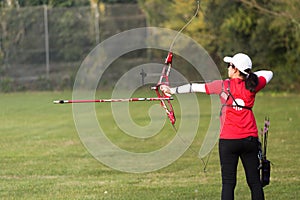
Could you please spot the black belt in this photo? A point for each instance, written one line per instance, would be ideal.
(251, 139)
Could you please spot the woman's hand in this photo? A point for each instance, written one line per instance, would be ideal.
(166, 90)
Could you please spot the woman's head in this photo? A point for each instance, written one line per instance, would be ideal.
(239, 66)
(240, 61)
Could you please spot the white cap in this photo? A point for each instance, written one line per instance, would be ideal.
(241, 61)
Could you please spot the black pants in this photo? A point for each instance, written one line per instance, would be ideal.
(230, 151)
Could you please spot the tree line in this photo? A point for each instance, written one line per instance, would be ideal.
(268, 31)
(57, 3)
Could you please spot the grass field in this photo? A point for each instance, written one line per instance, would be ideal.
(42, 157)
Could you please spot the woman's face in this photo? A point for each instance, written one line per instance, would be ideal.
(231, 70)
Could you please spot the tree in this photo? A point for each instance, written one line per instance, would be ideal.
(269, 31)
(155, 10)
(119, 1)
(54, 3)
(282, 20)
(266, 30)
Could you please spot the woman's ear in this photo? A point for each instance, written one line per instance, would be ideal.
(236, 70)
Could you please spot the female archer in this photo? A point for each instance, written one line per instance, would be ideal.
(238, 133)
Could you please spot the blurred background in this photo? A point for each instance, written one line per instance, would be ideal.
(43, 42)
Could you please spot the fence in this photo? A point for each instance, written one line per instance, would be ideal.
(42, 47)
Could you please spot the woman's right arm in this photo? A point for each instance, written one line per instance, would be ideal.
(264, 78)
(268, 75)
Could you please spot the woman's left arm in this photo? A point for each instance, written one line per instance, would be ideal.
(214, 87)
(189, 88)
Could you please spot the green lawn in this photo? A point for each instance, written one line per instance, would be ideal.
(42, 157)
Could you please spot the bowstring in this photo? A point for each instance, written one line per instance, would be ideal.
(188, 23)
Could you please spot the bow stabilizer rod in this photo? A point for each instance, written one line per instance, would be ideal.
(113, 100)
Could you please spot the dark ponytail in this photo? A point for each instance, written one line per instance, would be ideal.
(251, 80)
